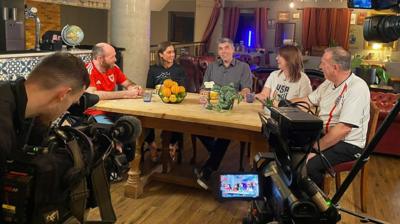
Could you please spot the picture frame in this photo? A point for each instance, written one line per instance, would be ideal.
(296, 15)
(353, 18)
(271, 24)
(283, 16)
(361, 18)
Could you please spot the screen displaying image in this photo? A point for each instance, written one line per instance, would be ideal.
(239, 186)
(364, 4)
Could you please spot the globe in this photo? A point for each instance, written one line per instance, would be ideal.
(72, 35)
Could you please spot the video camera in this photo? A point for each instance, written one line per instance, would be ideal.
(278, 188)
(379, 28)
(58, 179)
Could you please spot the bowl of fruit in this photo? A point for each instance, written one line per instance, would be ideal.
(171, 92)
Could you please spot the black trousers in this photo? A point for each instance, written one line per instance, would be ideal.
(217, 148)
(339, 153)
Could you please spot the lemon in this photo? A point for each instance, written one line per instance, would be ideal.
(213, 94)
(165, 99)
(172, 98)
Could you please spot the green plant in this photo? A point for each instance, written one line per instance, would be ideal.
(227, 95)
(269, 102)
(382, 74)
(356, 62)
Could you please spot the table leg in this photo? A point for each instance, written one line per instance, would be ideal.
(258, 144)
(134, 185)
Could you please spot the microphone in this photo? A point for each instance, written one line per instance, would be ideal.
(87, 100)
(126, 129)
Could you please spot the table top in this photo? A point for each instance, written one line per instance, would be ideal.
(242, 116)
(382, 87)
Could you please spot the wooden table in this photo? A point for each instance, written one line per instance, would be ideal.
(242, 124)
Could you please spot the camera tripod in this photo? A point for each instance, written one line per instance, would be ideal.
(361, 162)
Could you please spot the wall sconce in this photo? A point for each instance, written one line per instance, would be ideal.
(291, 5)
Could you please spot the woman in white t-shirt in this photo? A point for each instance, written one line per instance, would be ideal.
(289, 81)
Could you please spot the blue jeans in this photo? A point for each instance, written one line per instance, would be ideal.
(103, 119)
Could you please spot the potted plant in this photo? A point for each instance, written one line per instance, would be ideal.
(226, 97)
(382, 75)
(364, 71)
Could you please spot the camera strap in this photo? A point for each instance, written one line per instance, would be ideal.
(101, 189)
(80, 193)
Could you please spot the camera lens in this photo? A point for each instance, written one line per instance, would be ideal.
(382, 28)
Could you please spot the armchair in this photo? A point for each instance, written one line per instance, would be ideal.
(390, 142)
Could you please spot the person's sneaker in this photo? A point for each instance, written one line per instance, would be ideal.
(202, 176)
(115, 177)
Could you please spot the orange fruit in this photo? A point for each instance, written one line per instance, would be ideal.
(166, 92)
(182, 89)
(175, 89)
(174, 83)
(168, 83)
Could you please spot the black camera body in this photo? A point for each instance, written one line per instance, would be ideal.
(38, 181)
(380, 28)
(51, 182)
(287, 194)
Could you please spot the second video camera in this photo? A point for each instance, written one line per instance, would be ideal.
(379, 28)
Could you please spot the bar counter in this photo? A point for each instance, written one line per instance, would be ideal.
(20, 63)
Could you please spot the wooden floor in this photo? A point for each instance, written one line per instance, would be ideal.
(168, 203)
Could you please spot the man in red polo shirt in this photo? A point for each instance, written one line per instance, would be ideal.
(105, 75)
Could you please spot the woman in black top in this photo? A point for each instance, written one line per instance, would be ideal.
(165, 68)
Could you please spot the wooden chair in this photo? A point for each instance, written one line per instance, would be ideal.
(347, 166)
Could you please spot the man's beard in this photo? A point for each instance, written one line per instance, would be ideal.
(107, 66)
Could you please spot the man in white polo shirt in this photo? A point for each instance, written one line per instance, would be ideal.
(343, 100)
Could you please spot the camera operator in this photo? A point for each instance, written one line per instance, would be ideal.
(343, 100)
(55, 83)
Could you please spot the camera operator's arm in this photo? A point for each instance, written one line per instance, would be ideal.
(6, 138)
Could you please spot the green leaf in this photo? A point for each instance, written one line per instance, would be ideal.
(356, 62)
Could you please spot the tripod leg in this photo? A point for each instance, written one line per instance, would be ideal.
(338, 181)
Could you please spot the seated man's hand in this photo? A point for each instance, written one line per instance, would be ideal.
(132, 93)
(136, 88)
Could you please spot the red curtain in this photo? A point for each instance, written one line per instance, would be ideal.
(261, 16)
(211, 24)
(322, 26)
(231, 22)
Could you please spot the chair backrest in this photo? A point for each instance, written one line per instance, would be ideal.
(373, 121)
(204, 61)
(190, 66)
(316, 77)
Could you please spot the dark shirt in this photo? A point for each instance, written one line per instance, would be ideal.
(13, 100)
(157, 74)
(237, 72)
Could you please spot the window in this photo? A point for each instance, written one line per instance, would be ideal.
(246, 28)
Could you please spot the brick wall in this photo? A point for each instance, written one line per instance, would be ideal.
(49, 15)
